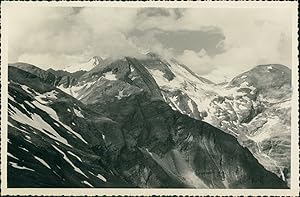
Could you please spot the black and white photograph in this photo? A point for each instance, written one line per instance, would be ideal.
(141, 97)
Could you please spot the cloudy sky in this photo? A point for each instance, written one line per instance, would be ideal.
(217, 43)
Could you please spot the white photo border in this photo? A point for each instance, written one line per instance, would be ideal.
(293, 191)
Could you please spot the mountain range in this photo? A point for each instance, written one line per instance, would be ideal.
(148, 122)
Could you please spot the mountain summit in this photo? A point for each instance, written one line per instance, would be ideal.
(93, 62)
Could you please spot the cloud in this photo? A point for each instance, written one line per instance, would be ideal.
(179, 41)
(28, 28)
(160, 18)
(251, 37)
(47, 60)
(215, 42)
(200, 62)
(154, 12)
(62, 35)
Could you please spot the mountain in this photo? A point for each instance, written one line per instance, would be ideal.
(50, 76)
(175, 81)
(93, 62)
(258, 112)
(272, 81)
(254, 107)
(116, 129)
(51, 136)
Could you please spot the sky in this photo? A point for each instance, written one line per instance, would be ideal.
(217, 43)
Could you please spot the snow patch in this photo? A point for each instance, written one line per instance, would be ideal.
(245, 84)
(191, 106)
(110, 76)
(26, 89)
(74, 132)
(190, 138)
(53, 114)
(149, 152)
(15, 165)
(175, 106)
(87, 183)
(29, 104)
(198, 91)
(65, 90)
(46, 96)
(10, 155)
(233, 132)
(133, 78)
(17, 128)
(284, 104)
(51, 95)
(69, 161)
(46, 109)
(78, 113)
(132, 69)
(24, 149)
(11, 98)
(38, 123)
(121, 95)
(42, 161)
(242, 107)
(74, 91)
(74, 155)
(265, 132)
(101, 177)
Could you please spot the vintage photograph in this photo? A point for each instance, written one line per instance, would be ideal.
(144, 97)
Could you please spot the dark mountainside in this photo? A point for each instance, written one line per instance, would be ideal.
(50, 142)
(116, 131)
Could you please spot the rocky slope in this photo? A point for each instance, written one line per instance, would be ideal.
(257, 109)
(116, 130)
(51, 136)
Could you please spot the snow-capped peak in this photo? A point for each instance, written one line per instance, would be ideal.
(94, 61)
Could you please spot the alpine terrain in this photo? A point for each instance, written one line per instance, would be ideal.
(148, 122)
